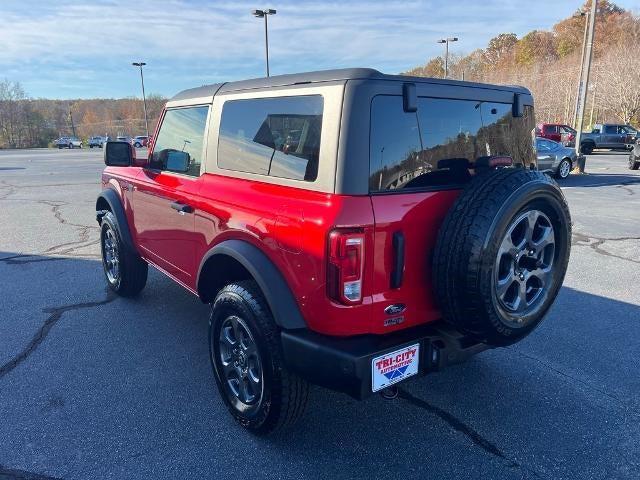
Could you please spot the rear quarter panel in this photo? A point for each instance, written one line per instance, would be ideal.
(291, 226)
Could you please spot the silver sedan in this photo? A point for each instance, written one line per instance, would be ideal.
(554, 158)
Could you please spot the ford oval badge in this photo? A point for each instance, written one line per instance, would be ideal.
(395, 309)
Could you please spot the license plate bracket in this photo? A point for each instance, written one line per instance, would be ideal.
(394, 367)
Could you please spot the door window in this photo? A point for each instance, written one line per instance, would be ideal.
(610, 129)
(179, 145)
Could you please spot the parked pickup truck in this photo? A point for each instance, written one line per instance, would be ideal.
(608, 135)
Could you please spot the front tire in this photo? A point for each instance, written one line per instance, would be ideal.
(125, 271)
(564, 169)
(633, 163)
(501, 255)
(244, 347)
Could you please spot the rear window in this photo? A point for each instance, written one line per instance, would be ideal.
(279, 137)
(432, 148)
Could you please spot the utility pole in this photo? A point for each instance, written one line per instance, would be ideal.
(73, 127)
(586, 69)
(580, 83)
(265, 14)
(446, 52)
(144, 98)
(593, 99)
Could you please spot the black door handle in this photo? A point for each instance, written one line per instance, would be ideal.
(182, 207)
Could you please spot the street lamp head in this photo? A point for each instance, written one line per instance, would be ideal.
(442, 41)
(453, 39)
(138, 64)
(262, 13)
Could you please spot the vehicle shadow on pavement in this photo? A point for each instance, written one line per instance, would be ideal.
(136, 373)
(599, 180)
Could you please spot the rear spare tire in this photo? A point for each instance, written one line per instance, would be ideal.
(501, 255)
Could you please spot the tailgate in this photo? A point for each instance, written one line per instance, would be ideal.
(406, 225)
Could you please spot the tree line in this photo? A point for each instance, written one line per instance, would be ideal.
(548, 64)
(26, 122)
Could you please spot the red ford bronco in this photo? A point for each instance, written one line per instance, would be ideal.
(350, 229)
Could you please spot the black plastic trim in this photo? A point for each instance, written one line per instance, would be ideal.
(344, 364)
(398, 267)
(282, 303)
(115, 205)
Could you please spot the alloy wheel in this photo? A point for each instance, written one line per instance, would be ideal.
(524, 264)
(111, 256)
(240, 362)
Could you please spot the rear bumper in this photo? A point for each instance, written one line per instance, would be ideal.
(344, 364)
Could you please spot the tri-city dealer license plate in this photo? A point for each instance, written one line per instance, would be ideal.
(394, 367)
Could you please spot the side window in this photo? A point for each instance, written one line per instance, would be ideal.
(178, 147)
(610, 129)
(278, 136)
(435, 146)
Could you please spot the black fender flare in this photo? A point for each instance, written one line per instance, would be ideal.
(115, 206)
(277, 293)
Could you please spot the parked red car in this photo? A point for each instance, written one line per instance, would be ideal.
(557, 132)
(349, 229)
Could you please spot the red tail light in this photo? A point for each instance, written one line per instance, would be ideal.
(345, 266)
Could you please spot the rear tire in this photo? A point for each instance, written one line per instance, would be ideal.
(587, 148)
(501, 255)
(633, 163)
(125, 271)
(248, 364)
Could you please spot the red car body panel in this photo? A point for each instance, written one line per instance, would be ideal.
(291, 226)
(418, 216)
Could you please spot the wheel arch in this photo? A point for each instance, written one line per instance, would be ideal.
(240, 260)
(109, 201)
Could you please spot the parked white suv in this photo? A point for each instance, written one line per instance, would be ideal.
(68, 142)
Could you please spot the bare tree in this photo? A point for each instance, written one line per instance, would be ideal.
(619, 83)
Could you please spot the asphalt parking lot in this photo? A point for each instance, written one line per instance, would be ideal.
(94, 386)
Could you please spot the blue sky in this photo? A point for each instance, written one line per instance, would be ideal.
(83, 49)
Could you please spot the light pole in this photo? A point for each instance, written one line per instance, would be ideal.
(446, 52)
(144, 99)
(264, 14)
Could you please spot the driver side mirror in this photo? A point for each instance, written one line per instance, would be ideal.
(178, 161)
(171, 160)
(119, 154)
